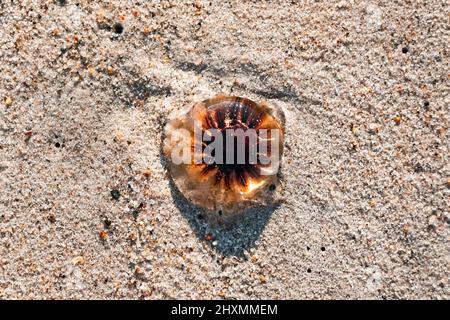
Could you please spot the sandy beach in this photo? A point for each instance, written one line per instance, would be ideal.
(87, 206)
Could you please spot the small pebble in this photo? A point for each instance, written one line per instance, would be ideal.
(102, 235)
(147, 30)
(147, 173)
(355, 130)
(78, 260)
(107, 223)
(100, 16)
(263, 278)
(118, 27)
(115, 194)
(373, 128)
(433, 222)
(91, 72)
(8, 101)
(52, 218)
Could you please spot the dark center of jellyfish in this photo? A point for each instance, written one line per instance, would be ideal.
(233, 116)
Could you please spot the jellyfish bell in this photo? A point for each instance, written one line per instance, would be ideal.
(224, 153)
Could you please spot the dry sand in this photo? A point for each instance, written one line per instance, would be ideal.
(365, 88)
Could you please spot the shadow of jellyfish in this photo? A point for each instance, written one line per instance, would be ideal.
(230, 236)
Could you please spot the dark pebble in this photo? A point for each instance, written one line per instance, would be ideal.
(107, 223)
(418, 168)
(115, 194)
(118, 28)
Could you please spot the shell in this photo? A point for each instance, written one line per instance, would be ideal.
(225, 187)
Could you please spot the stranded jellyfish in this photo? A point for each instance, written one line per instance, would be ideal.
(224, 153)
